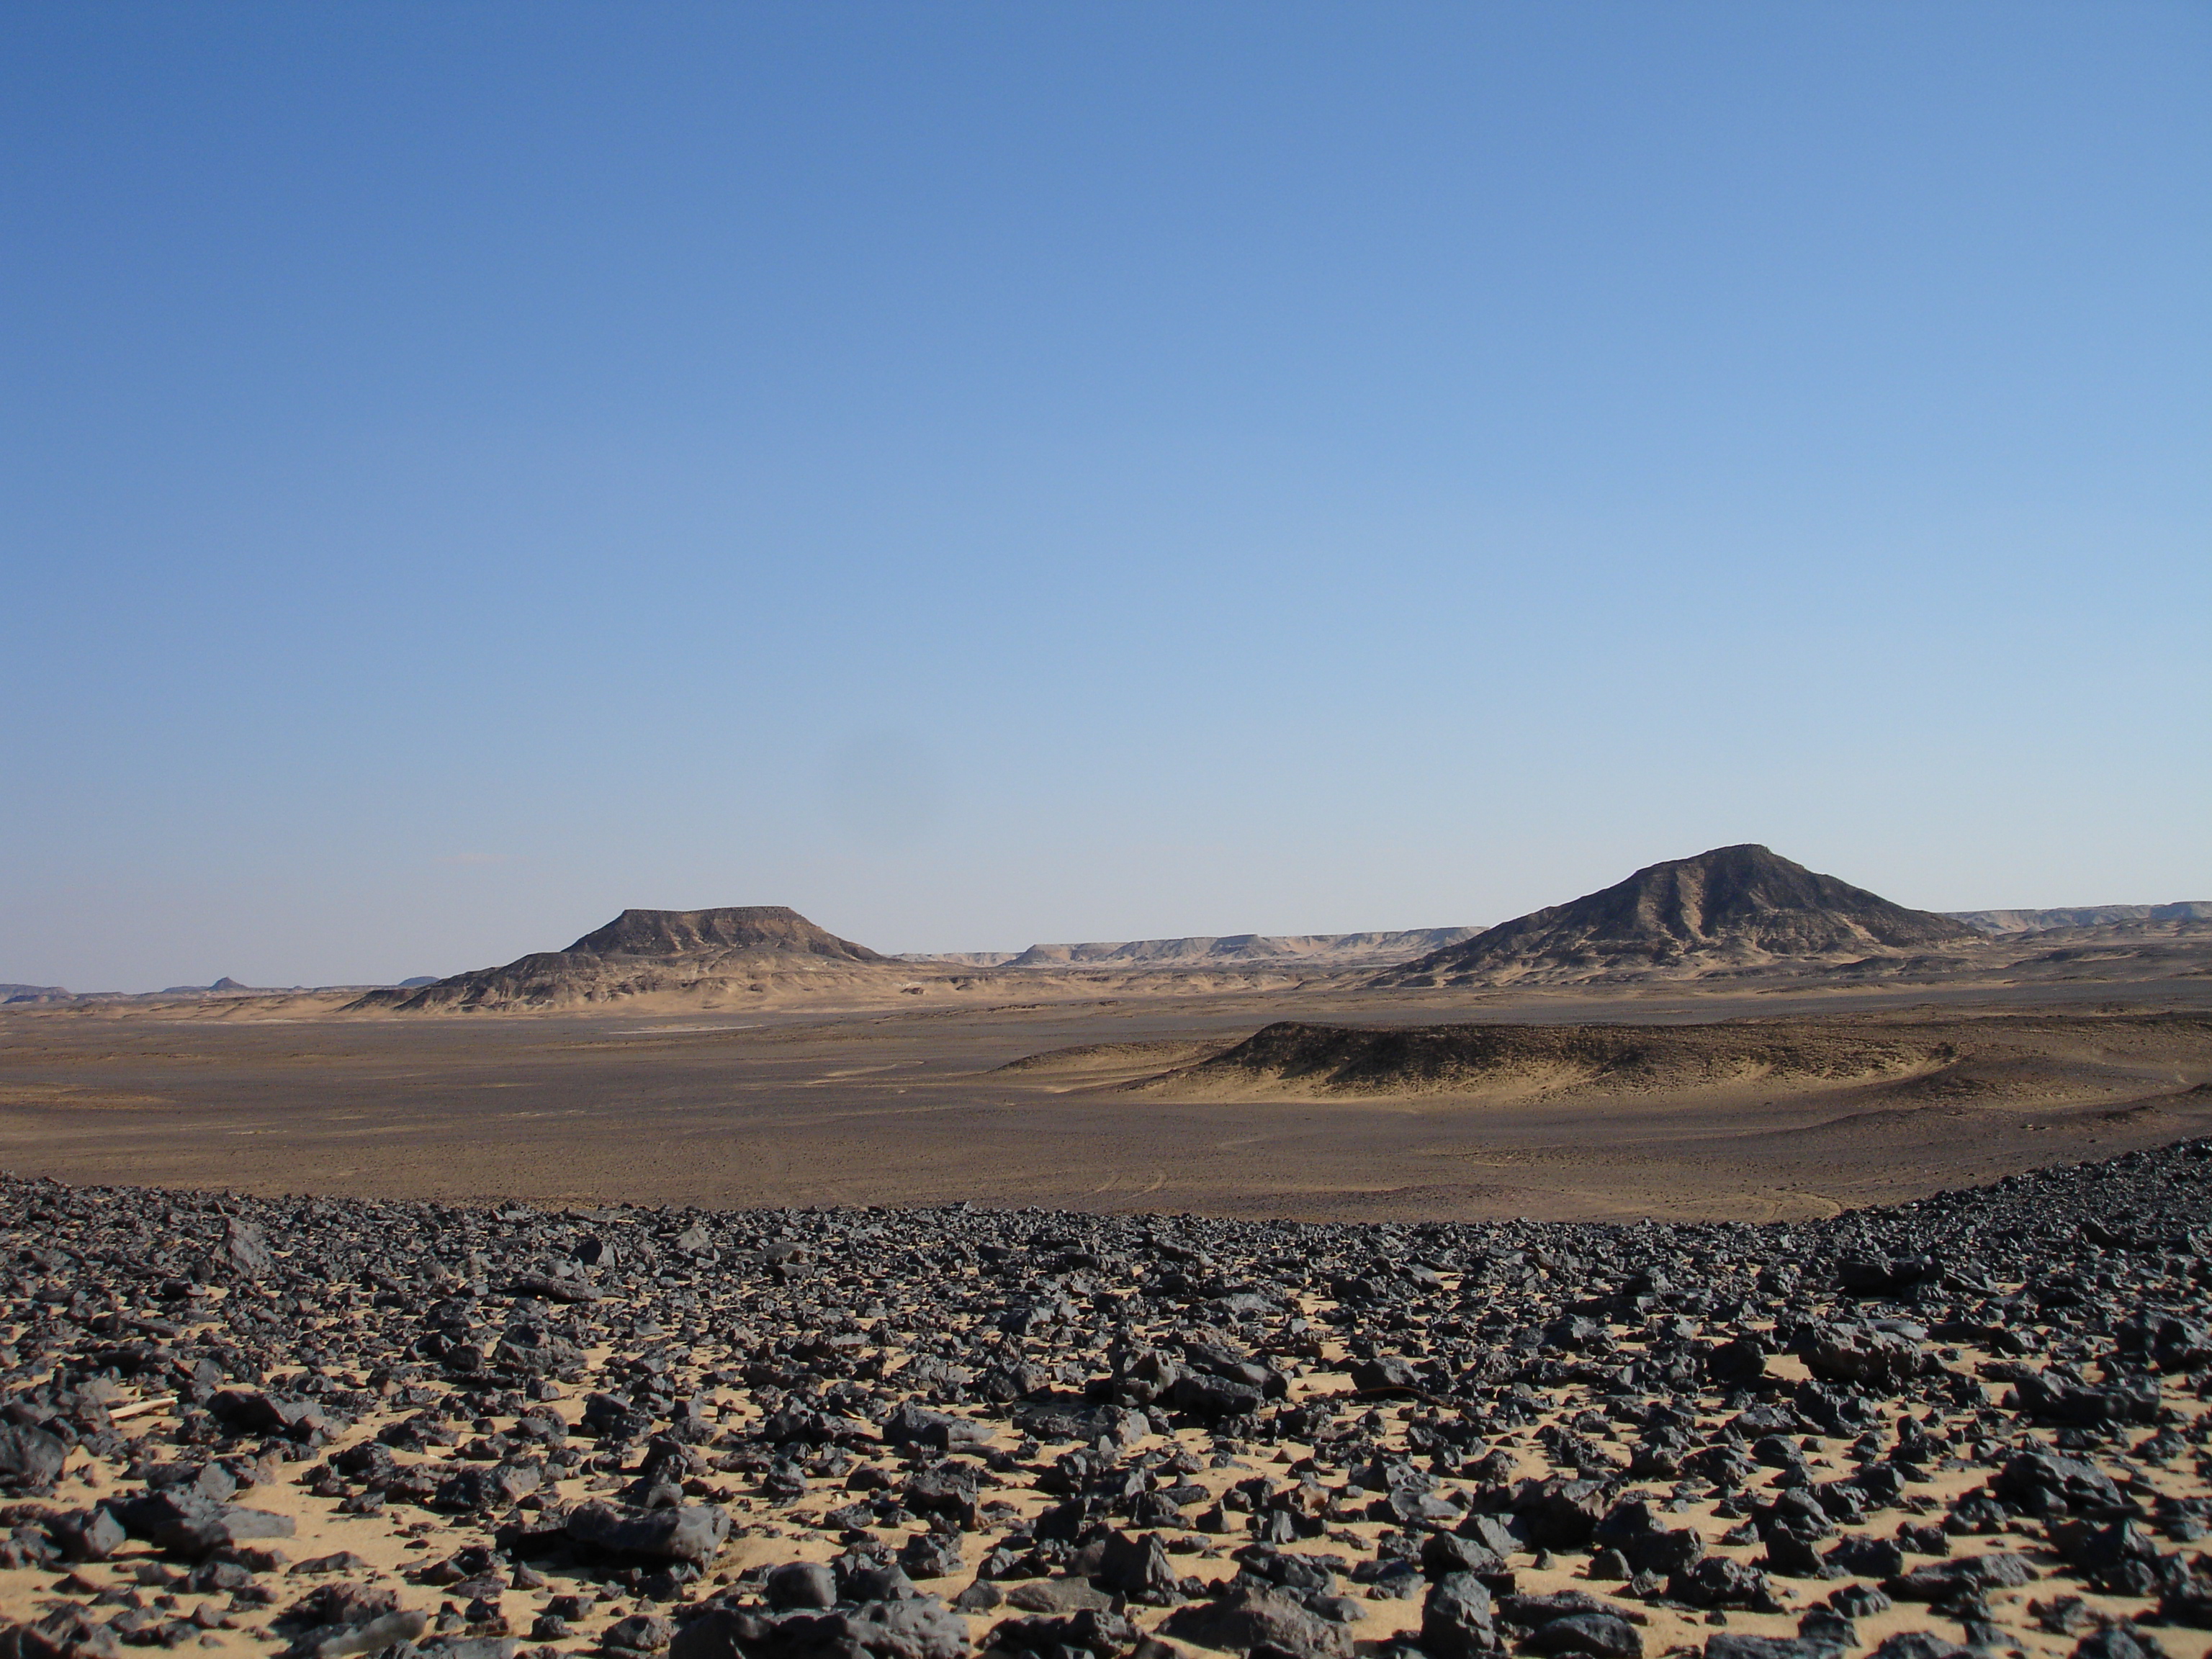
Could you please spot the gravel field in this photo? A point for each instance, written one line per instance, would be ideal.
(330, 1427)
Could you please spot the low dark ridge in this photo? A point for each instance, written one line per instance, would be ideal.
(1352, 1059)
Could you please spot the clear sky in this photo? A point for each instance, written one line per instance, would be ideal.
(989, 473)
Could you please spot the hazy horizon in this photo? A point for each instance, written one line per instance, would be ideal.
(521, 950)
(986, 475)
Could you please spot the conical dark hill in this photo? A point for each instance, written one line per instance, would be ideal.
(1733, 909)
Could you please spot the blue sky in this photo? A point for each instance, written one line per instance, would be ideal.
(984, 474)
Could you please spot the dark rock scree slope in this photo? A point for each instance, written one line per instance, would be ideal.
(1977, 1421)
(1733, 908)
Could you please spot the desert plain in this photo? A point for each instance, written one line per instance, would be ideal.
(1074, 1091)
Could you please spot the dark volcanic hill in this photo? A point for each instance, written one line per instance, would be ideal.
(1731, 910)
(742, 949)
(774, 928)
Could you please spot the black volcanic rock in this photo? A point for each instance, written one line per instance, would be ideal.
(181, 1351)
(1732, 908)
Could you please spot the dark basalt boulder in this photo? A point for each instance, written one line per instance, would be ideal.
(1136, 1566)
(1920, 1644)
(2119, 1642)
(2000, 1571)
(66, 1632)
(182, 1522)
(1100, 1635)
(801, 1584)
(250, 1411)
(1533, 1612)
(691, 1534)
(536, 1351)
(1385, 1372)
(1737, 1362)
(920, 1627)
(1562, 1515)
(1742, 1644)
(1601, 1635)
(1215, 1398)
(2037, 1481)
(2049, 1400)
(1246, 1616)
(375, 1635)
(1444, 1553)
(31, 1459)
(1458, 1619)
(915, 1425)
(92, 1535)
(1868, 1558)
(1721, 1582)
(641, 1633)
(1058, 1595)
(1883, 1276)
(488, 1486)
(338, 1620)
(1883, 1361)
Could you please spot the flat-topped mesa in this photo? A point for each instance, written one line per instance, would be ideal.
(1733, 908)
(773, 928)
(702, 956)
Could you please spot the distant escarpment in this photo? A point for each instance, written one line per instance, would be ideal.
(2080, 915)
(740, 950)
(34, 994)
(1325, 951)
(1733, 910)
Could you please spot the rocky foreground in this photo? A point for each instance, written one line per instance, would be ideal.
(1975, 1423)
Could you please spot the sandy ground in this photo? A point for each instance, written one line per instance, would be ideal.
(913, 1102)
